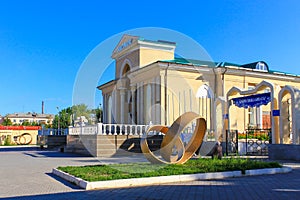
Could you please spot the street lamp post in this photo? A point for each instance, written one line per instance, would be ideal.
(100, 113)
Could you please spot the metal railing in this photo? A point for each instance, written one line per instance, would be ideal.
(52, 131)
(231, 142)
(252, 141)
(257, 141)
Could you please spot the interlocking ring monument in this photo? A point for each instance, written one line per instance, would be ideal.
(172, 140)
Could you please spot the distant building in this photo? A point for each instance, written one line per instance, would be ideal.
(19, 118)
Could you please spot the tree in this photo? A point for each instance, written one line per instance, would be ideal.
(67, 116)
(81, 110)
(26, 123)
(63, 118)
(6, 122)
(99, 114)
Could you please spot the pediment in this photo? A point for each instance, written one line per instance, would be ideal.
(125, 42)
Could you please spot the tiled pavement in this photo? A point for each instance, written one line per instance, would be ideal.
(25, 173)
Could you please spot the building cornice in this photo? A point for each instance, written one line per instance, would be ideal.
(107, 84)
(261, 74)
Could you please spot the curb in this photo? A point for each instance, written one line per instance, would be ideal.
(254, 172)
(135, 182)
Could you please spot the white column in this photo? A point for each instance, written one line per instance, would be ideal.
(138, 99)
(153, 102)
(104, 107)
(122, 113)
(115, 112)
(158, 100)
(133, 103)
(99, 129)
(142, 103)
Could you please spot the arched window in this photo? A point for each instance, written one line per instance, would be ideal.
(204, 91)
(126, 69)
(261, 66)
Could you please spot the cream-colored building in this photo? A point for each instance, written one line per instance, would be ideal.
(19, 118)
(151, 85)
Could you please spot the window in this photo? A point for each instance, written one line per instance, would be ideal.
(261, 66)
(254, 113)
(204, 92)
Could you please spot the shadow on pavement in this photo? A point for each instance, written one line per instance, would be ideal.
(18, 148)
(53, 154)
(63, 181)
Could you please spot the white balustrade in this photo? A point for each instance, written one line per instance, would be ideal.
(109, 129)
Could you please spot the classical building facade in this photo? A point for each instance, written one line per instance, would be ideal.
(153, 86)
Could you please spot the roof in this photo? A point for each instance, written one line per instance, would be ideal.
(29, 115)
(191, 62)
(129, 41)
(111, 82)
(194, 62)
(157, 41)
(201, 62)
(252, 66)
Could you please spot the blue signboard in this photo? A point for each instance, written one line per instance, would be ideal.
(276, 113)
(252, 100)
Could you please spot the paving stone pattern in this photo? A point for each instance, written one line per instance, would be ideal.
(25, 173)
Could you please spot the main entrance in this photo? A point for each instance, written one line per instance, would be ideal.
(250, 113)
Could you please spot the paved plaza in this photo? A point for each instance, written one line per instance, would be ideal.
(26, 174)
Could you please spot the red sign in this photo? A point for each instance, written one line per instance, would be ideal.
(20, 127)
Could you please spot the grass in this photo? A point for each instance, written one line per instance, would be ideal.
(138, 170)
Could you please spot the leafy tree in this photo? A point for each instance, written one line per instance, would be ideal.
(99, 114)
(66, 116)
(7, 122)
(34, 123)
(62, 119)
(26, 123)
(81, 110)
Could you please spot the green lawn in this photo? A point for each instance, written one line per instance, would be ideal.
(138, 170)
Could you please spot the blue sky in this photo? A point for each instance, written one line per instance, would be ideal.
(43, 43)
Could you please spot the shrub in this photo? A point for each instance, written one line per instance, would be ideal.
(7, 141)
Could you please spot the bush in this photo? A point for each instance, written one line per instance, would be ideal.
(7, 141)
(259, 136)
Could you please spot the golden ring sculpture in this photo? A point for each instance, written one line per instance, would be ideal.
(21, 140)
(172, 140)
